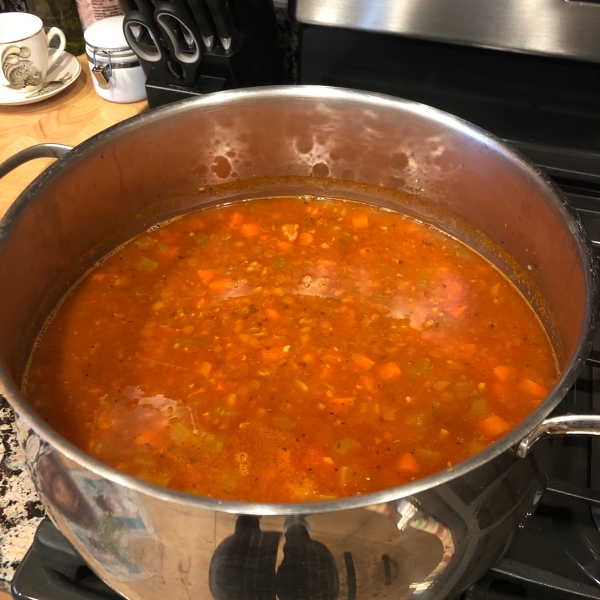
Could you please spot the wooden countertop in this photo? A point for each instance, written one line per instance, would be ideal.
(70, 117)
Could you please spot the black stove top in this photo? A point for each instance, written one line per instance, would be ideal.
(556, 554)
(549, 110)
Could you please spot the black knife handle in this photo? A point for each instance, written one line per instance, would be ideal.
(145, 6)
(222, 17)
(202, 17)
(127, 6)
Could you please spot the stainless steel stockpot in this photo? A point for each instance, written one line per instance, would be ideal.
(427, 539)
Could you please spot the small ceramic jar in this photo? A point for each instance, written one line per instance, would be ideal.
(116, 71)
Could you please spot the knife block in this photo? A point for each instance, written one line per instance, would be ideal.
(254, 59)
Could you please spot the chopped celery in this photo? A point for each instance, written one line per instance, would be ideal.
(279, 262)
(475, 447)
(143, 242)
(283, 422)
(440, 386)
(464, 388)
(345, 474)
(301, 385)
(347, 444)
(419, 368)
(201, 238)
(221, 411)
(212, 442)
(144, 461)
(426, 455)
(145, 264)
(180, 434)
(388, 413)
(478, 407)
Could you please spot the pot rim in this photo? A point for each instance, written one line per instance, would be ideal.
(507, 443)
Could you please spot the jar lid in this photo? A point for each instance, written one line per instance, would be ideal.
(107, 34)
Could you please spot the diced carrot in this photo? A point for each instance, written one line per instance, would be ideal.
(408, 464)
(389, 370)
(362, 362)
(220, 284)
(505, 373)
(493, 426)
(169, 239)
(458, 310)
(223, 386)
(284, 246)
(453, 286)
(273, 354)
(205, 368)
(284, 456)
(306, 239)
(271, 314)
(533, 388)
(104, 422)
(326, 373)
(150, 436)
(250, 229)
(196, 223)
(368, 383)
(236, 221)
(172, 251)
(312, 457)
(200, 302)
(206, 274)
(360, 221)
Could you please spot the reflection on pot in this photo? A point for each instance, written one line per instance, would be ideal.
(265, 565)
(108, 520)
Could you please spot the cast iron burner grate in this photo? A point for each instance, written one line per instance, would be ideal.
(554, 556)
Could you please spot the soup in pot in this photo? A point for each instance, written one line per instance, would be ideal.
(290, 349)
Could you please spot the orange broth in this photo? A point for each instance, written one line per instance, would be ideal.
(290, 349)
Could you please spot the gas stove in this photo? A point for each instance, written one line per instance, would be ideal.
(547, 108)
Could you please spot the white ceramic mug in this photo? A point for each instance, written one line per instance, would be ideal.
(24, 57)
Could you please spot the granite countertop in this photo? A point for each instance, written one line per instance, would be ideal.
(68, 118)
(21, 511)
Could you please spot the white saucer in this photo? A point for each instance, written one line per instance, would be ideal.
(60, 76)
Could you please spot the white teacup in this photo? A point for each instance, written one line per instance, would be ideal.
(24, 57)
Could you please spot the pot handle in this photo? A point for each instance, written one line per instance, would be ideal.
(564, 425)
(38, 151)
